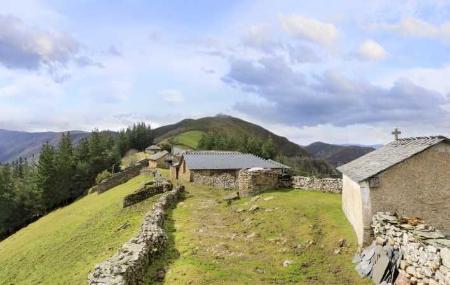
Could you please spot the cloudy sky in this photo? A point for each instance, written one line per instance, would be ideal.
(336, 71)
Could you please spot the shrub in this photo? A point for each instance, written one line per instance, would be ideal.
(102, 176)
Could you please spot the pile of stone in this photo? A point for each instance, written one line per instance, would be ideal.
(128, 266)
(424, 251)
(146, 191)
(332, 185)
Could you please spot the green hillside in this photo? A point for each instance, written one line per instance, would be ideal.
(337, 154)
(229, 126)
(189, 139)
(62, 247)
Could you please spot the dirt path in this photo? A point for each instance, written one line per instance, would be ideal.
(283, 237)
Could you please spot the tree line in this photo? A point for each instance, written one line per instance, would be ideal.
(62, 173)
(244, 144)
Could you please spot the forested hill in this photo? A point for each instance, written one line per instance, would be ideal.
(337, 154)
(15, 144)
(230, 127)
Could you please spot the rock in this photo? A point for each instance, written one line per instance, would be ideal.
(402, 280)
(337, 251)
(445, 256)
(253, 208)
(252, 235)
(160, 275)
(256, 198)
(240, 210)
(287, 262)
(381, 241)
(232, 197)
(268, 198)
(342, 242)
(411, 270)
(259, 270)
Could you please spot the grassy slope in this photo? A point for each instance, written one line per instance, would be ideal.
(189, 139)
(211, 243)
(62, 247)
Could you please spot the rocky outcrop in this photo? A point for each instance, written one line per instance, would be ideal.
(128, 266)
(146, 191)
(120, 177)
(333, 185)
(424, 251)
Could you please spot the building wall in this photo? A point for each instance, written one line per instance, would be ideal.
(419, 186)
(352, 206)
(216, 178)
(254, 182)
(184, 173)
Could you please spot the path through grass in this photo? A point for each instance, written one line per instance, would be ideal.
(62, 247)
(213, 243)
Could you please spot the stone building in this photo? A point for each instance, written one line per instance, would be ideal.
(409, 176)
(152, 149)
(159, 160)
(218, 168)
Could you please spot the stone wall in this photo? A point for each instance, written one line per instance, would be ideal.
(425, 251)
(252, 182)
(218, 179)
(128, 266)
(333, 185)
(120, 177)
(146, 191)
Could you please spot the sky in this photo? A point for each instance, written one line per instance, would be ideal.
(333, 71)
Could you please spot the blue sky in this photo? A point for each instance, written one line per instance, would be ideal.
(336, 71)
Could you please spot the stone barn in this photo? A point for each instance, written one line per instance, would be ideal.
(410, 177)
(159, 160)
(152, 149)
(219, 168)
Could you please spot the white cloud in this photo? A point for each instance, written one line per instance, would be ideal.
(31, 48)
(418, 28)
(310, 29)
(371, 50)
(172, 96)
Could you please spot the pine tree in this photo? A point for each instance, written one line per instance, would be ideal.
(65, 168)
(268, 149)
(46, 176)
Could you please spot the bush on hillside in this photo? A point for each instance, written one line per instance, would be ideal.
(105, 174)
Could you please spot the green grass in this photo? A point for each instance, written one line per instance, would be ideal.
(189, 139)
(212, 243)
(62, 247)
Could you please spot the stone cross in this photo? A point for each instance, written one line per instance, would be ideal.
(396, 132)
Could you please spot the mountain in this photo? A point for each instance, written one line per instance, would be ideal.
(15, 144)
(337, 154)
(229, 126)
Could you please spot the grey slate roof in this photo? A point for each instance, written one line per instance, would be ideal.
(158, 155)
(197, 160)
(389, 155)
(153, 147)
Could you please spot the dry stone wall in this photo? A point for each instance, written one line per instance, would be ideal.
(425, 251)
(219, 179)
(146, 191)
(252, 182)
(120, 177)
(128, 266)
(333, 185)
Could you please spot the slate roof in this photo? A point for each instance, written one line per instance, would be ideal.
(158, 155)
(153, 147)
(389, 155)
(197, 160)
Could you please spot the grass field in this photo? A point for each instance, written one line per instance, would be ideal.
(213, 243)
(62, 247)
(189, 139)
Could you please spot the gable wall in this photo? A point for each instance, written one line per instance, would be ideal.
(419, 186)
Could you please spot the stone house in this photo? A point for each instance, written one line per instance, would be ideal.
(218, 168)
(409, 176)
(152, 149)
(159, 160)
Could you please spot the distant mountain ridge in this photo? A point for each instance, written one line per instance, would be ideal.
(337, 154)
(15, 144)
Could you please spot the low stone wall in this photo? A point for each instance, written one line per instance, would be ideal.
(146, 191)
(128, 266)
(333, 185)
(425, 251)
(120, 177)
(252, 182)
(218, 179)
